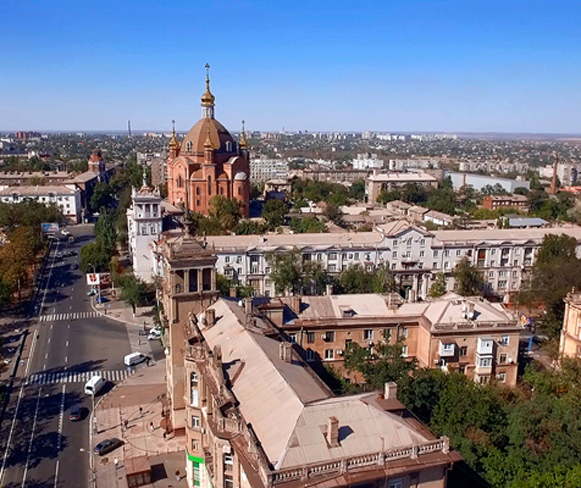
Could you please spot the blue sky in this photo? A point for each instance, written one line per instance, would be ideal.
(409, 65)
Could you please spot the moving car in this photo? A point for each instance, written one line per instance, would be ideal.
(76, 413)
(154, 334)
(134, 358)
(108, 445)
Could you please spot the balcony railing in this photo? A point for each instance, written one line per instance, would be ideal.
(356, 463)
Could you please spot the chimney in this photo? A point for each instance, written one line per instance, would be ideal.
(285, 350)
(329, 289)
(411, 296)
(390, 390)
(248, 306)
(232, 292)
(296, 304)
(333, 432)
(210, 317)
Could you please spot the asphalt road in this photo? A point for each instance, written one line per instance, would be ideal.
(45, 449)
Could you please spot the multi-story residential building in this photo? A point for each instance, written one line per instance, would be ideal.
(367, 161)
(494, 202)
(405, 164)
(257, 416)
(469, 335)
(66, 197)
(568, 173)
(505, 256)
(263, 169)
(494, 167)
(570, 343)
(378, 182)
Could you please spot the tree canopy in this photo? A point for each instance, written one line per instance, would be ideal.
(469, 281)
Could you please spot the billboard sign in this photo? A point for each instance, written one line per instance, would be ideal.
(49, 227)
(93, 279)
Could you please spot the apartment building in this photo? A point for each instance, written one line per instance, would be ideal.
(65, 197)
(259, 417)
(367, 161)
(378, 182)
(469, 335)
(263, 169)
(415, 255)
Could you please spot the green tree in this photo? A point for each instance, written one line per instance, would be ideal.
(94, 258)
(133, 291)
(469, 281)
(380, 363)
(357, 190)
(249, 227)
(439, 286)
(292, 272)
(225, 210)
(307, 225)
(555, 272)
(333, 213)
(274, 213)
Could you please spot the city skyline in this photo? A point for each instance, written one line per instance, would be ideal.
(424, 66)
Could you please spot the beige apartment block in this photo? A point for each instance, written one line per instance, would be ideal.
(570, 343)
(469, 335)
(259, 417)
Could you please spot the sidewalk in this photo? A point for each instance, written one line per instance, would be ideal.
(138, 401)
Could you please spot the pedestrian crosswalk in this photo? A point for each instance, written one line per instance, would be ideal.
(72, 377)
(67, 316)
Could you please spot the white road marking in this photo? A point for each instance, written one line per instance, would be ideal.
(46, 356)
(48, 341)
(62, 414)
(31, 438)
(66, 359)
(67, 344)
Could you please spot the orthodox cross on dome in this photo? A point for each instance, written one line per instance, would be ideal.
(207, 98)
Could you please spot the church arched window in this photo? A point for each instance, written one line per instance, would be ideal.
(228, 146)
(239, 190)
(180, 181)
(221, 191)
(189, 146)
(209, 185)
(197, 190)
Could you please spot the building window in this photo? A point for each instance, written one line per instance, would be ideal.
(435, 254)
(356, 255)
(329, 354)
(292, 338)
(227, 259)
(501, 377)
(492, 263)
(392, 265)
(484, 362)
(310, 337)
(463, 350)
(491, 274)
(209, 185)
(310, 355)
(422, 242)
(228, 463)
(502, 274)
(404, 351)
(332, 256)
(447, 253)
(188, 146)
(228, 481)
(447, 265)
(195, 422)
(329, 336)
(404, 333)
(332, 268)
(395, 243)
(493, 252)
(386, 334)
(515, 274)
(502, 358)
(396, 484)
(368, 335)
(394, 255)
(434, 265)
(502, 284)
(458, 252)
(422, 254)
(194, 396)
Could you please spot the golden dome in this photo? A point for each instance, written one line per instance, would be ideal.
(207, 97)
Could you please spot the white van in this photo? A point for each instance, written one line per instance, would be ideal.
(134, 358)
(94, 385)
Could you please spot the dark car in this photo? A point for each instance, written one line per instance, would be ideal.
(76, 413)
(108, 445)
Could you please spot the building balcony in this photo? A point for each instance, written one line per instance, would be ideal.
(447, 349)
(483, 364)
(485, 346)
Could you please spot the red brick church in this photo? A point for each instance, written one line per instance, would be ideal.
(208, 162)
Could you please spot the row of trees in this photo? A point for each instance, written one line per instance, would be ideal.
(23, 245)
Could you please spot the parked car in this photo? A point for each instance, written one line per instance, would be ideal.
(101, 300)
(108, 445)
(76, 413)
(134, 358)
(154, 334)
